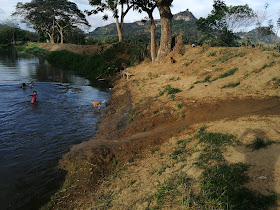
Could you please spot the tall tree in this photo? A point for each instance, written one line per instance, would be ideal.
(165, 19)
(261, 17)
(47, 16)
(68, 15)
(112, 6)
(149, 6)
(219, 27)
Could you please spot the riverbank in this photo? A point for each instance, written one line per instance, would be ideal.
(200, 132)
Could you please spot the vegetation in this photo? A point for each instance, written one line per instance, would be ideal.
(170, 91)
(51, 17)
(218, 28)
(112, 6)
(11, 34)
(98, 64)
(231, 85)
(228, 73)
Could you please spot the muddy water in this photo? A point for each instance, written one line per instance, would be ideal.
(33, 137)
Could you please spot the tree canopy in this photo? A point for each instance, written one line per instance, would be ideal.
(219, 27)
(51, 16)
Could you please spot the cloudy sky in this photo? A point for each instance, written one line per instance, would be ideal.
(200, 8)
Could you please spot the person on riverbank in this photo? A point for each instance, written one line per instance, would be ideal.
(34, 97)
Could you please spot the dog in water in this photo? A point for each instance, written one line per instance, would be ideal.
(97, 104)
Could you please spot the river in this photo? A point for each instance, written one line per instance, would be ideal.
(34, 137)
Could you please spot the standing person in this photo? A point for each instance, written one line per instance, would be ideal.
(34, 97)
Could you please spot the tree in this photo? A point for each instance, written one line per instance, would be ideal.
(261, 17)
(68, 15)
(165, 20)
(148, 6)
(219, 27)
(38, 14)
(47, 16)
(239, 17)
(112, 6)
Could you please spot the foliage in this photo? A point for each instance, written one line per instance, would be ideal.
(112, 6)
(51, 17)
(10, 34)
(92, 66)
(218, 28)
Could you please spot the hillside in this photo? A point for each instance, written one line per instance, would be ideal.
(182, 21)
(202, 132)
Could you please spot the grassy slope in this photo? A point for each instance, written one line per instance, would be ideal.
(174, 161)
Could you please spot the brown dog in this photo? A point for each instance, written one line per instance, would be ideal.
(97, 104)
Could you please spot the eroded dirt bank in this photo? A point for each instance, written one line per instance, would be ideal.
(131, 156)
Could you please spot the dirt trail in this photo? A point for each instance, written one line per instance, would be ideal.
(217, 111)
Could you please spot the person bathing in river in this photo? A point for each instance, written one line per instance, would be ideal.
(31, 85)
(23, 85)
(34, 97)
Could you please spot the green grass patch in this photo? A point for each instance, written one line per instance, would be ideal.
(214, 53)
(206, 79)
(222, 185)
(228, 56)
(268, 65)
(228, 73)
(217, 139)
(170, 91)
(231, 85)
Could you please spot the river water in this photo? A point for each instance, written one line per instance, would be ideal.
(33, 137)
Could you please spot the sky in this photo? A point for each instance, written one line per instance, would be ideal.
(199, 8)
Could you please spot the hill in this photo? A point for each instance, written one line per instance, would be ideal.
(200, 133)
(183, 21)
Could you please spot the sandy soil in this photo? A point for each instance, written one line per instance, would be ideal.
(119, 169)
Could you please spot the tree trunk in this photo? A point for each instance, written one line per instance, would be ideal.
(165, 19)
(153, 39)
(51, 37)
(119, 29)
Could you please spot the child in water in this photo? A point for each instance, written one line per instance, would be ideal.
(34, 97)
(23, 85)
(31, 85)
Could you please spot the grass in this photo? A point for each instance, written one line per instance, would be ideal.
(228, 73)
(260, 143)
(222, 183)
(276, 82)
(206, 79)
(222, 186)
(268, 65)
(231, 85)
(214, 53)
(228, 56)
(170, 91)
